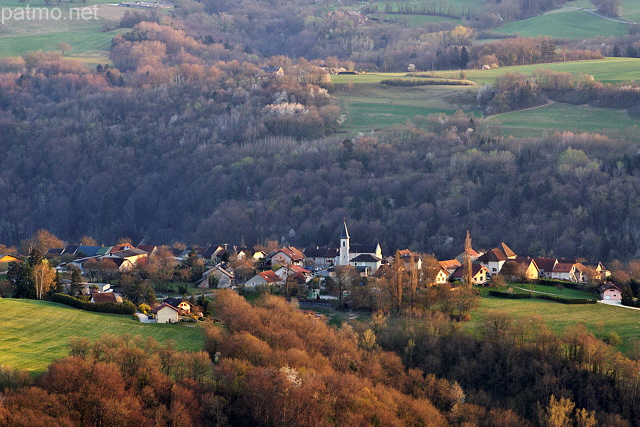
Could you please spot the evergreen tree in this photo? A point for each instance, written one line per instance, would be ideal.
(464, 57)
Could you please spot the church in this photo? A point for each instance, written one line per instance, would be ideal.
(365, 258)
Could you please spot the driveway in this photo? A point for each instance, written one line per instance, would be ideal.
(144, 319)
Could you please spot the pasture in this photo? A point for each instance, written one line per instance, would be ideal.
(598, 318)
(565, 23)
(35, 333)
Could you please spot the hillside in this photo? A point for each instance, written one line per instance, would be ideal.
(36, 333)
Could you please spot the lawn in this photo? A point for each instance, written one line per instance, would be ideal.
(35, 333)
(565, 23)
(599, 318)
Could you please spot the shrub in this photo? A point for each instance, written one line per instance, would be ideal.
(126, 307)
(555, 298)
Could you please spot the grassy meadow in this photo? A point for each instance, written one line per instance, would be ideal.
(35, 333)
(598, 318)
(87, 37)
(370, 105)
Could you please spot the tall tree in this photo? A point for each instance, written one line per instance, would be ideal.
(43, 278)
(398, 280)
(466, 261)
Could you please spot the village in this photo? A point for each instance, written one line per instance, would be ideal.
(328, 274)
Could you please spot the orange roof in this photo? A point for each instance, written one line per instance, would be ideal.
(562, 267)
(292, 253)
(270, 276)
(450, 263)
(507, 250)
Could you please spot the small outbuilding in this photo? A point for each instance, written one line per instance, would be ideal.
(610, 292)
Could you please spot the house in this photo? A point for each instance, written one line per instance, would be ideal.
(5, 259)
(88, 251)
(286, 256)
(268, 277)
(610, 292)
(225, 277)
(180, 304)
(599, 272)
(450, 265)
(492, 260)
(366, 260)
(583, 273)
(564, 271)
(293, 271)
(321, 257)
(127, 259)
(442, 276)
(524, 267)
(545, 266)
(479, 274)
(103, 297)
(272, 71)
(166, 313)
(506, 250)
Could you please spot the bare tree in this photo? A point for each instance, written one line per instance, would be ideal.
(44, 276)
(466, 262)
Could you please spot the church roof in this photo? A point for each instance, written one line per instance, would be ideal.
(345, 233)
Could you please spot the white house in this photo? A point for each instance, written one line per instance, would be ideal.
(166, 313)
(265, 278)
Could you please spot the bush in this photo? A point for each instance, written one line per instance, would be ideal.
(126, 307)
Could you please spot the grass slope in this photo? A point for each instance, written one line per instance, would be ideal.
(565, 117)
(565, 23)
(599, 318)
(36, 333)
(608, 70)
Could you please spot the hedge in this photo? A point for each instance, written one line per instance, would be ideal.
(426, 82)
(562, 300)
(511, 295)
(126, 307)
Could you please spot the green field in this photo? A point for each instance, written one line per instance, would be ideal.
(563, 292)
(599, 318)
(87, 37)
(35, 333)
(370, 105)
(564, 117)
(565, 23)
(608, 70)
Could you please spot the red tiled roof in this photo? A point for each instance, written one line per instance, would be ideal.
(164, 304)
(270, 276)
(545, 264)
(291, 252)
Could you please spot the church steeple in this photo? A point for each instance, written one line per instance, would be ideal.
(344, 245)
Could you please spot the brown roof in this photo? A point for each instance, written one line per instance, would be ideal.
(545, 264)
(475, 269)
(102, 297)
(158, 308)
(507, 250)
(609, 285)
(492, 256)
(291, 252)
(450, 263)
(526, 261)
(563, 267)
